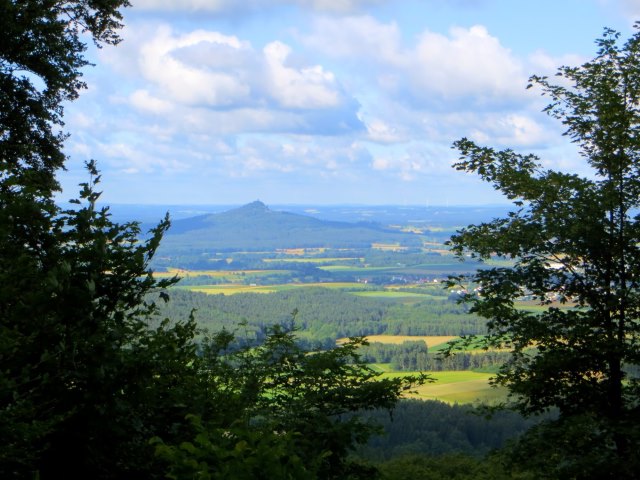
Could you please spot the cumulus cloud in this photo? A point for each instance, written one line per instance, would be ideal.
(296, 156)
(231, 6)
(188, 80)
(364, 104)
(310, 87)
(467, 64)
(511, 129)
(143, 100)
(359, 37)
(209, 70)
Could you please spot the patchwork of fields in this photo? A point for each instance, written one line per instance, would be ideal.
(382, 282)
(408, 288)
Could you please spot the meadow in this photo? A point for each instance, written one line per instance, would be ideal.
(454, 387)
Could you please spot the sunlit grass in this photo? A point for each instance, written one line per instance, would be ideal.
(455, 387)
(430, 340)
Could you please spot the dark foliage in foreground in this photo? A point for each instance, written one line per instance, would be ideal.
(575, 241)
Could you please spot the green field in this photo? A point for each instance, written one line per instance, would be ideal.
(455, 387)
(230, 289)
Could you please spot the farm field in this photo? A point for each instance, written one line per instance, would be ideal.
(455, 387)
(450, 386)
(382, 282)
(430, 340)
(231, 289)
(230, 275)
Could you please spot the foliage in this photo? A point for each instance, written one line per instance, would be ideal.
(279, 406)
(574, 240)
(414, 356)
(85, 382)
(41, 57)
(234, 453)
(452, 466)
(326, 314)
(431, 427)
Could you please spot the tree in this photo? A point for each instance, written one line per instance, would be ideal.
(574, 242)
(282, 411)
(88, 373)
(84, 381)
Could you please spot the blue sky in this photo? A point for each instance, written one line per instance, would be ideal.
(324, 101)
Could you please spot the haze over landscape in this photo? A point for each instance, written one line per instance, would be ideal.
(323, 102)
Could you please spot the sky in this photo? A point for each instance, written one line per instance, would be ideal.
(319, 102)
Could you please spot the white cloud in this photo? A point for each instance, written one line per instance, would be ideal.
(383, 132)
(199, 70)
(309, 87)
(360, 37)
(341, 6)
(143, 100)
(468, 62)
(191, 83)
(132, 159)
(412, 161)
(80, 149)
(295, 156)
(184, 5)
(230, 6)
(510, 129)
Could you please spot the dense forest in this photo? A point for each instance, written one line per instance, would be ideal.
(433, 428)
(415, 356)
(256, 227)
(324, 314)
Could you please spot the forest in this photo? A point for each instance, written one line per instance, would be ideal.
(323, 314)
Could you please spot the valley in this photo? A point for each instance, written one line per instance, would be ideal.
(333, 278)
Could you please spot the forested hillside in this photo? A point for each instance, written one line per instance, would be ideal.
(256, 227)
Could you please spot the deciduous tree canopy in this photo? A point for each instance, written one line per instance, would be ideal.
(575, 241)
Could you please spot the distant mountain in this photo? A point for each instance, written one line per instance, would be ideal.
(256, 227)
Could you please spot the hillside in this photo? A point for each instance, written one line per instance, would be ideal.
(255, 227)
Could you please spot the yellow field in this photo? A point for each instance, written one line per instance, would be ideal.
(430, 340)
(465, 391)
(209, 273)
